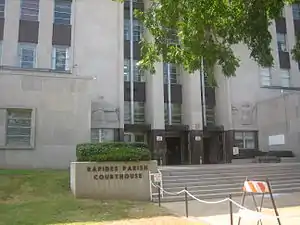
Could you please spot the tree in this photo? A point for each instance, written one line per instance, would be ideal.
(207, 29)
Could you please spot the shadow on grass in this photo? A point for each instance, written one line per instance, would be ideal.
(42, 197)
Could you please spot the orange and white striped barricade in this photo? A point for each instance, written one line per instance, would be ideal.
(258, 188)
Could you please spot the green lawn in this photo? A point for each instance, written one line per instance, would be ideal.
(37, 197)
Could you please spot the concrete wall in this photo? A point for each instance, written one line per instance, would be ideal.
(283, 118)
(60, 119)
(112, 180)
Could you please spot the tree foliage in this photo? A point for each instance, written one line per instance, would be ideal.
(207, 29)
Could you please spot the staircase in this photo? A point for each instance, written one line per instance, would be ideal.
(218, 181)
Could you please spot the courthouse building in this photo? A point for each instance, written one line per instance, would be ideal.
(68, 75)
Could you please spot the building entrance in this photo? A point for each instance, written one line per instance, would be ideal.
(173, 156)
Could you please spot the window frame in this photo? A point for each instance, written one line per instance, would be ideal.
(174, 76)
(285, 78)
(30, 46)
(54, 53)
(139, 112)
(55, 20)
(133, 137)
(101, 135)
(265, 76)
(38, 11)
(138, 74)
(283, 43)
(32, 129)
(296, 11)
(4, 9)
(176, 117)
(137, 30)
(244, 139)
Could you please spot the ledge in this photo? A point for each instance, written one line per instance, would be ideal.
(16, 148)
(40, 72)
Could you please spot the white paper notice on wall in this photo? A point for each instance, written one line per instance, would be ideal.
(277, 139)
(235, 151)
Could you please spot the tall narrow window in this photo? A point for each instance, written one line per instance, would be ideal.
(60, 58)
(127, 112)
(62, 12)
(137, 30)
(27, 55)
(285, 78)
(265, 76)
(244, 140)
(30, 10)
(296, 11)
(282, 42)
(138, 74)
(139, 112)
(174, 73)
(2, 8)
(176, 113)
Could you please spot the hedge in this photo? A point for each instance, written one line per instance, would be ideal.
(116, 151)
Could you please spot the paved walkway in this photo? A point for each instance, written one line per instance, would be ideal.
(218, 214)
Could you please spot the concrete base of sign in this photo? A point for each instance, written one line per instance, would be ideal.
(112, 180)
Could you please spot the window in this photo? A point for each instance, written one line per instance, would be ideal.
(62, 12)
(30, 10)
(281, 42)
(265, 76)
(127, 114)
(176, 113)
(135, 137)
(138, 74)
(139, 112)
(2, 8)
(210, 115)
(18, 127)
(174, 73)
(137, 30)
(102, 135)
(60, 58)
(27, 55)
(244, 140)
(172, 37)
(166, 109)
(285, 78)
(296, 11)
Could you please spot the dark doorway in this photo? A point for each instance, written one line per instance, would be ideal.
(206, 150)
(173, 151)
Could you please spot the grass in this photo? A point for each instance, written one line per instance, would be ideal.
(42, 197)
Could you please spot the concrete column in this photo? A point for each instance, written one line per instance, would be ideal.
(192, 113)
(11, 33)
(44, 48)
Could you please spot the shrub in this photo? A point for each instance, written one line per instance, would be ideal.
(116, 151)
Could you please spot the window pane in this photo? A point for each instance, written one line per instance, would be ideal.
(127, 138)
(176, 113)
(30, 10)
(139, 112)
(2, 8)
(107, 135)
(127, 117)
(62, 12)
(249, 140)
(18, 127)
(27, 56)
(281, 42)
(94, 135)
(126, 70)
(60, 58)
(296, 11)
(139, 138)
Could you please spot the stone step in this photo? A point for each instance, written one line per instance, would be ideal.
(228, 171)
(222, 181)
(238, 184)
(188, 179)
(221, 195)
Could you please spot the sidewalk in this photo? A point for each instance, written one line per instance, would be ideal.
(285, 213)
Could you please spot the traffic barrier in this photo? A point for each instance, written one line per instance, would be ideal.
(258, 187)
